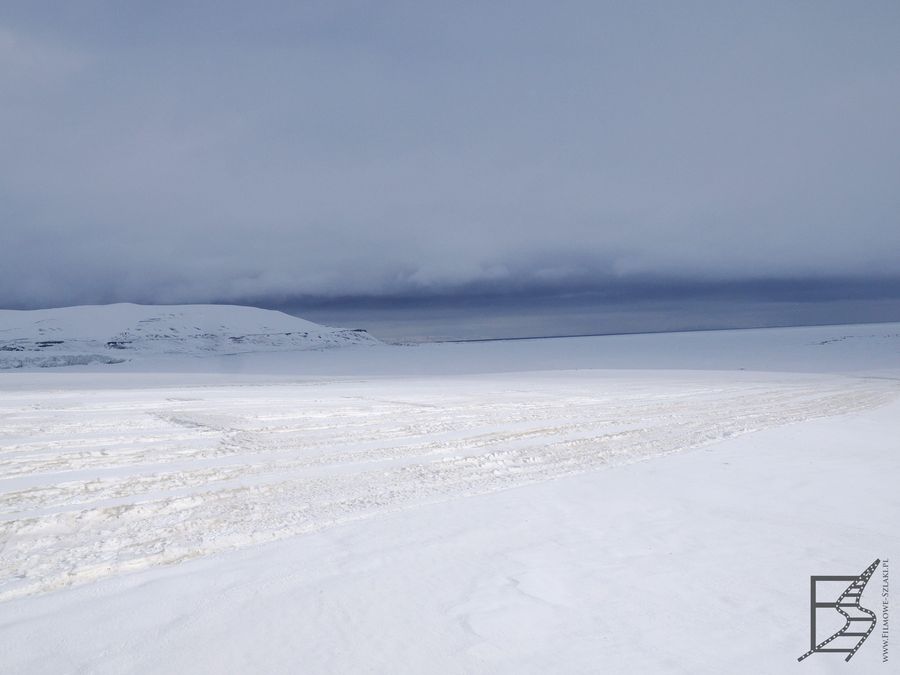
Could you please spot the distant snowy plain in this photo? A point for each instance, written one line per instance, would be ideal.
(653, 503)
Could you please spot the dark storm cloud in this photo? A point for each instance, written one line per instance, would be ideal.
(168, 152)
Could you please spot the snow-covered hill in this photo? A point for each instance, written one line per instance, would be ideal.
(116, 333)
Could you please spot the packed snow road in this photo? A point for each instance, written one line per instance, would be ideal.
(96, 482)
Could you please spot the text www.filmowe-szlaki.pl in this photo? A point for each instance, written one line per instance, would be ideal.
(885, 596)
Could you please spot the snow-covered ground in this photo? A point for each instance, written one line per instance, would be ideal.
(458, 508)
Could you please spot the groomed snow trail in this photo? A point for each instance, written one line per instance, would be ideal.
(98, 482)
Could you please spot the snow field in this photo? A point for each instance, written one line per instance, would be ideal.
(96, 483)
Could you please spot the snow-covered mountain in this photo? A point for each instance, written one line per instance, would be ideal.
(116, 333)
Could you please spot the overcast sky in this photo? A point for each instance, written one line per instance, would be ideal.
(259, 152)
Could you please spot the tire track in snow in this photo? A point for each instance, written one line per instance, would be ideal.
(287, 461)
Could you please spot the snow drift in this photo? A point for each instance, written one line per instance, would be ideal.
(116, 333)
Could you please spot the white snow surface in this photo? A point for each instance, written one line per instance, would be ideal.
(631, 503)
(113, 334)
